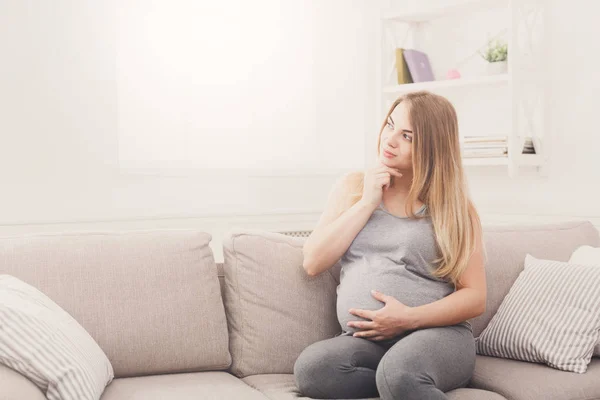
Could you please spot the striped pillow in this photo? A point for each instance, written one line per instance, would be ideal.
(45, 344)
(551, 315)
(587, 255)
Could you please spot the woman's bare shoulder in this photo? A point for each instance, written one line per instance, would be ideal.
(347, 183)
(352, 177)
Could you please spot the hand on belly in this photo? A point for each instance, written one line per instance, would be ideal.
(390, 320)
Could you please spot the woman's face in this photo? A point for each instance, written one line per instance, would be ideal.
(395, 148)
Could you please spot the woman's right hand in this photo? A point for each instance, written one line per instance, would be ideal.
(376, 180)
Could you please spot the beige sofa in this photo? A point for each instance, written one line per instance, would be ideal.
(177, 326)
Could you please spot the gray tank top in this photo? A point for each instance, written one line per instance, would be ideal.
(392, 255)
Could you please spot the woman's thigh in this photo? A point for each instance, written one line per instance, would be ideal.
(443, 357)
(340, 367)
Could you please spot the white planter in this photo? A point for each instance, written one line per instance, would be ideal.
(495, 68)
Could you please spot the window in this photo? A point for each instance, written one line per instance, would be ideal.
(261, 85)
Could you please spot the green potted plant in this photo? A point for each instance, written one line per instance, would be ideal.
(496, 54)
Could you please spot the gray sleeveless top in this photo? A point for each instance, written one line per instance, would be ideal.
(392, 255)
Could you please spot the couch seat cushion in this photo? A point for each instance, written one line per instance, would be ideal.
(520, 380)
(283, 387)
(192, 386)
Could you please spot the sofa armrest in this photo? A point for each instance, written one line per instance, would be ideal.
(14, 386)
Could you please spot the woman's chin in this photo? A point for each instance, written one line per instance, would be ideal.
(388, 162)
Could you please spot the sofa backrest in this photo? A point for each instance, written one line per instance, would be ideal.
(506, 247)
(150, 299)
(264, 287)
(274, 309)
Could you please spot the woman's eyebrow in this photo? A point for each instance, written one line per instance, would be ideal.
(403, 130)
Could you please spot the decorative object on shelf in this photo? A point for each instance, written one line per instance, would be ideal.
(453, 74)
(496, 54)
(528, 148)
(402, 68)
(418, 65)
(484, 146)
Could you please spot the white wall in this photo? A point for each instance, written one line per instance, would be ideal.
(58, 150)
(60, 115)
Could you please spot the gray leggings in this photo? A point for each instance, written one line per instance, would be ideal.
(421, 365)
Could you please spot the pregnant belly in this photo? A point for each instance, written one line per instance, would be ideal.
(354, 291)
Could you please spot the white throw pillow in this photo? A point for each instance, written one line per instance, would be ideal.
(45, 344)
(550, 315)
(587, 255)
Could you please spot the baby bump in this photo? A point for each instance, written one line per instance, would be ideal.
(354, 291)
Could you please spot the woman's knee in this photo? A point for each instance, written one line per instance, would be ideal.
(392, 381)
(310, 369)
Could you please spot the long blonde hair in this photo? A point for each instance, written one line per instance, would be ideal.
(438, 181)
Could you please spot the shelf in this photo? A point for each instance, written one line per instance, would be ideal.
(447, 83)
(532, 160)
(486, 161)
(454, 9)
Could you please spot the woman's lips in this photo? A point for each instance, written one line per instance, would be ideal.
(387, 154)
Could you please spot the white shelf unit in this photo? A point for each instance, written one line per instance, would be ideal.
(500, 79)
(524, 79)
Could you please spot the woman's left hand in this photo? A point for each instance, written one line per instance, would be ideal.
(390, 321)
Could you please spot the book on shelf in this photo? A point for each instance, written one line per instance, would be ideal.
(485, 156)
(402, 68)
(418, 65)
(528, 147)
(484, 139)
(491, 145)
(484, 153)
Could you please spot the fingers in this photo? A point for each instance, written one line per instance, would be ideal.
(380, 296)
(367, 314)
(361, 324)
(395, 172)
(386, 183)
(389, 170)
(367, 334)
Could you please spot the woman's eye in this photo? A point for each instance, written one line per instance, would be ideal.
(389, 125)
(408, 137)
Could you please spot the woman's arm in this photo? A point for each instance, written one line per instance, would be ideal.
(334, 233)
(468, 301)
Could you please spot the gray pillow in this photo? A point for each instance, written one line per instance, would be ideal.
(550, 315)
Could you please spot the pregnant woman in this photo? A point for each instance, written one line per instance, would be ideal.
(409, 241)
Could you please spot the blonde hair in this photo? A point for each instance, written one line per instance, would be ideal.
(438, 181)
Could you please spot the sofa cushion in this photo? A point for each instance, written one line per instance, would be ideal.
(150, 299)
(283, 387)
(194, 386)
(587, 255)
(275, 310)
(506, 247)
(16, 387)
(521, 380)
(44, 343)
